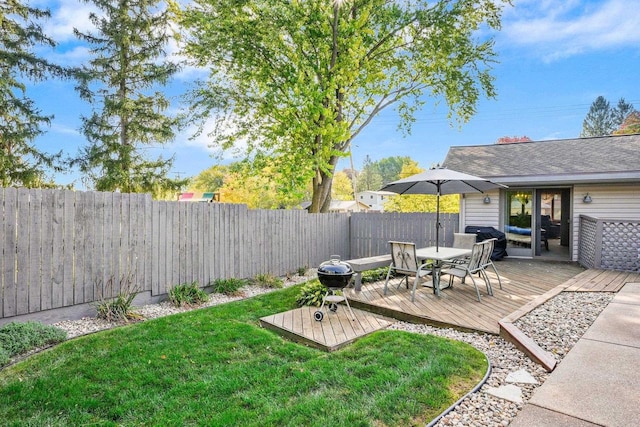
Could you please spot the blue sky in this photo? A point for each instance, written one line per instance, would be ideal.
(555, 57)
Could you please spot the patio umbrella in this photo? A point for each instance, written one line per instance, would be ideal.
(440, 181)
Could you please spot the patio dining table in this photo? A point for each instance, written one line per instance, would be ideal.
(438, 256)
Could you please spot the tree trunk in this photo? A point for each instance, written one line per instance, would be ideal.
(321, 198)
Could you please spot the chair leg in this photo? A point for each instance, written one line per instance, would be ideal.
(415, 284)
(386, 282)
(476, 286)
(482, 273)
(497, 275)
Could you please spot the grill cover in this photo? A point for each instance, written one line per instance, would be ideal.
(484, 233)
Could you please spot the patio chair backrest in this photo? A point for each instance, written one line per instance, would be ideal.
(487, 251)
(475, 259)
(403, 257)
(464, 240)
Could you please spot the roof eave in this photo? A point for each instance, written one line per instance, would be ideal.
(563, 179)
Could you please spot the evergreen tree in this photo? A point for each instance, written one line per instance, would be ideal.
(602, 120)
(598, 121)
(21, 162)
(621, 112)
(128, 64)
(369, 179)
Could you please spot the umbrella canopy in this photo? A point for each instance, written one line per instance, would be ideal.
(440, 181)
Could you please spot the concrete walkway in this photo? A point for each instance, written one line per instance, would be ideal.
(598, 381)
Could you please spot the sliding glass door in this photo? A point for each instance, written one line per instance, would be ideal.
(518, 224)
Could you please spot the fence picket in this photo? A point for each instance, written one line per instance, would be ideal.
(22, 289)
(9, 252)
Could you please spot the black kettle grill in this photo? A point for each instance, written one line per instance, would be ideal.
(335, 275)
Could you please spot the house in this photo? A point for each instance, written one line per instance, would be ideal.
(564, 193)
(374, 199)
(199, 197)
(342, 206)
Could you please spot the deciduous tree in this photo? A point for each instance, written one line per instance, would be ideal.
(389, 168)
(21, 37)
(513, 139)
(342, 188)
(299, 80)
(418, 202)
(128, 66)
(631, 124)
(210, 179)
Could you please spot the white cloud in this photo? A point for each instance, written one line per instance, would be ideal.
(204, 139)
(64, 130)
(555, 29)
(74, 56)
(65, 16)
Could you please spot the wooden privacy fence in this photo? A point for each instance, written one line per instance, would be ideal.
(371, 232)
(62, 248)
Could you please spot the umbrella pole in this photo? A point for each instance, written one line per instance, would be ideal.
(438, 218)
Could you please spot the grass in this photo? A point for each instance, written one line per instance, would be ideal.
(17, 338)
(217, 367)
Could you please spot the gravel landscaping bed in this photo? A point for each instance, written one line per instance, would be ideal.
(556, 326)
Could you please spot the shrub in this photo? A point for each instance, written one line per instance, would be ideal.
(376, 275)
(4, 357)
(187, 295)
(230, 287)
(117, 309)
(302, 271)
(21, 337)
(311, 294)
(267, 281)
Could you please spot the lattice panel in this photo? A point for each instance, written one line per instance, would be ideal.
(587, 248)
(620, 246)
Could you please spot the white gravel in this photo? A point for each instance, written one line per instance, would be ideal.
(87, 325)
(556, 326)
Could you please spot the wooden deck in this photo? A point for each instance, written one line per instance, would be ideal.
(526, 284)
(336, 330)
(522, 282)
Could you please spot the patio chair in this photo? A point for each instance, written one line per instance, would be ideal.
(474, 265)
(405, 262)
(462, 241)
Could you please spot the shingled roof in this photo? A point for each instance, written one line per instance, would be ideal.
(602, 159)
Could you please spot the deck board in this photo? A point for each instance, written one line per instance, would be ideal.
(336, 330)
(458, 307)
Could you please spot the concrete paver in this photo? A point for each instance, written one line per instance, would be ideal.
(629, 294)
(596, 381)
(539, 417)
(617, 324)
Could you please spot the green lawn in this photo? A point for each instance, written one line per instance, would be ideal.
(217, 367)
